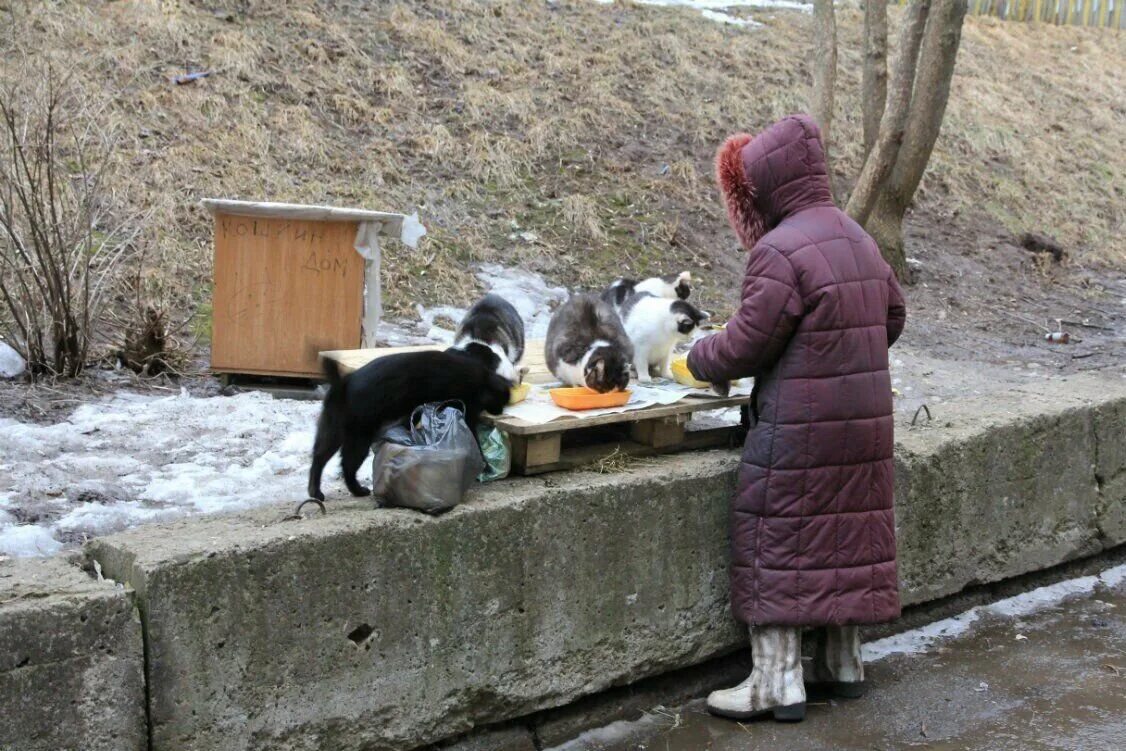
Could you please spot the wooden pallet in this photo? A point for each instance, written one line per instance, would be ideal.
(582, 441)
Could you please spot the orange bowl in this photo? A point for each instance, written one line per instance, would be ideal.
(580, 398)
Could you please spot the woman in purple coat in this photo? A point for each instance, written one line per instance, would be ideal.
(812, 524)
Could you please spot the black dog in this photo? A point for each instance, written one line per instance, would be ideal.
(359, 404)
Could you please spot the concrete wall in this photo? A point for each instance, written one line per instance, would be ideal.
(71, 661)
(389, 630)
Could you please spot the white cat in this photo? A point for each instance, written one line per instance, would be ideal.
(671, 287)
(655, 325)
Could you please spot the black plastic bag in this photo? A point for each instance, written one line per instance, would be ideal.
(427, 462)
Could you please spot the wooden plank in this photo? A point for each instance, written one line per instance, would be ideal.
(584, 456)
(661, 432)
(269, 374)
(284, 289)
(354, 359)
(391, 222)
(532, 452)
(687, 405)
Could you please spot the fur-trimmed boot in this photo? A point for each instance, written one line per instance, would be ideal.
(775, 684)
(837, 667)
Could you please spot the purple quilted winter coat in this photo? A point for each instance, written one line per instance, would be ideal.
(813, 529)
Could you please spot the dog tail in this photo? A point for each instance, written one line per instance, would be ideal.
(331, 369)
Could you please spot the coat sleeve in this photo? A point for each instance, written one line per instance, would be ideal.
(758, 333)
(897, 309)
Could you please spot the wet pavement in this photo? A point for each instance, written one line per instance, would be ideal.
(1051, 679)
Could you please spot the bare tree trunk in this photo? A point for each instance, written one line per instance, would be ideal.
(932, 91)
(824, 70)
(874, 86)
(880, 162)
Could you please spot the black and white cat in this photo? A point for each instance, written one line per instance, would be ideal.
(655, 325)
(587, 346)
(674, 287)
(493, 332)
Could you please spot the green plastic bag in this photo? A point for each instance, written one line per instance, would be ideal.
(497, 451)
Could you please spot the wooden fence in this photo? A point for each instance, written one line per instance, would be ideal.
(1104, 13)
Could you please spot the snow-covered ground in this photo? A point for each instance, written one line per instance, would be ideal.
(132, 459)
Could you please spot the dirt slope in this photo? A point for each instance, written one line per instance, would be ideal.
(590, 126)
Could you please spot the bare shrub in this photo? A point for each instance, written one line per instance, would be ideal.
(60, 248)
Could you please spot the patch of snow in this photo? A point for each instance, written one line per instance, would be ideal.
(96, 519)
(616, 732)
(713, 9)
(1113, 577)
(921, 639)
(528, 292)
(721, 17)
(133, 459)
(27, 541)
(400, 334)
(11, 364)
(438, 333)
(533, 298)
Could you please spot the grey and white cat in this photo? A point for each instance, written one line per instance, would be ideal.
(655, 325)
(587, 346)
(493, 332)
(674, 287)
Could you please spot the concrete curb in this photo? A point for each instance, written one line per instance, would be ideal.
(391, 630)
(71, 665)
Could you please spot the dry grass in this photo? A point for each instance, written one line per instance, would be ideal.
(592, 125)
(618, 461)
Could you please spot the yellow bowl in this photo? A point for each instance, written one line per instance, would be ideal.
(684, 376)
(580, 397)
(519, 393)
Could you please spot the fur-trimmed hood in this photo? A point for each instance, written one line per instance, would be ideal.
(775, 174)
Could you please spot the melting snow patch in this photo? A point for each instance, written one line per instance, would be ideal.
(921, 639)
(533, 298)
(615, 732)
(11, 364)
(133, 459)
(26, 541)
(713, 9)
(721, 17)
